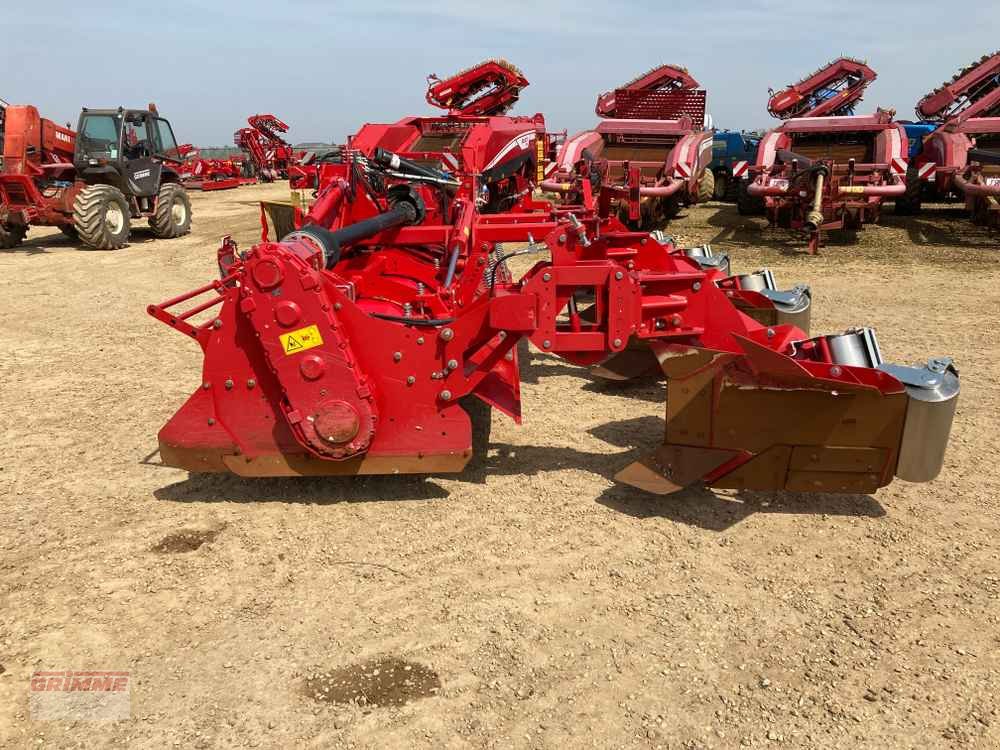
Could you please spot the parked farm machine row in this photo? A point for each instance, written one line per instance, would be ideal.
(377, 335)
(117, 166)
(199, 173)
(267, 157)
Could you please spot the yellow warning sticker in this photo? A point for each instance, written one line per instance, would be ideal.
(300, 340)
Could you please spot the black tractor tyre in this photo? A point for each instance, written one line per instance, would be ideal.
(732, 188)
(172, 217)
(12, 235)
(102, 217)
(706, 186)
(70, 231)
(746, 204)
(721, 186)
(910, 202)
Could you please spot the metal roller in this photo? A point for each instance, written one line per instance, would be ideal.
(857, 347)
(758, 281)
(933, 389)
(792, 306)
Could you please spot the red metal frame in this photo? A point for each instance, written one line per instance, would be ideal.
(832, 90)
(490, 88)
(971, 93)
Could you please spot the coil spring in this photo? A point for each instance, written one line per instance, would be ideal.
(497, 271)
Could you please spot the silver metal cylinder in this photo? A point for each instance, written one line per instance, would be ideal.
(933, 397)
(793, 307)
(857, 347)
(699, 251)
(757, 281)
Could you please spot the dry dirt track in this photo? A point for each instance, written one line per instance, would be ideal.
(537, 604)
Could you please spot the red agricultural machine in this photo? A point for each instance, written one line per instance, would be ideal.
(120, 164)
(375, 338)
(962, 157)
(198, 173)
(826, 168)
(487, 90)
(651, 151)
(270, 154)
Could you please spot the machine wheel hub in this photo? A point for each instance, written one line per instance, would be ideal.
(178, 212)
(114, 219)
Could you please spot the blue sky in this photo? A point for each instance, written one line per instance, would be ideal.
(327, 67)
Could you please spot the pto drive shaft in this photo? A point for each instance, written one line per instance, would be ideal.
(406, 208)
(814, 219)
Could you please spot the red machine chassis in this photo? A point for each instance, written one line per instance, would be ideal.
(828, 193)
(825, 168)
(36, 151)
(197, 173)
(649, 155)
(361, 341)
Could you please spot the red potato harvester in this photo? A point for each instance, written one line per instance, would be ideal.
(962, 157)
(198, 173)
(826, 168)
(650, 152)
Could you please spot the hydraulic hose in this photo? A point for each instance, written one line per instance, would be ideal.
(393, 161)
(788, 157)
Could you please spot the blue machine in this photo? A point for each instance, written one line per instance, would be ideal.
(916, 132)
(728, 148)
